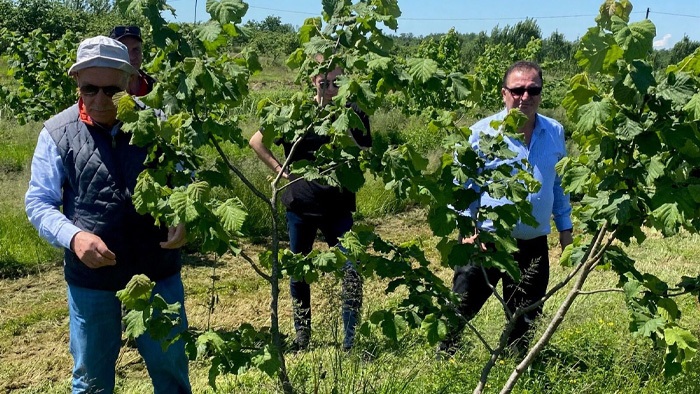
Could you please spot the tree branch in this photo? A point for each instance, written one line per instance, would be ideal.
(588, 265)
(238, 173)
(599, 291)
(478, 335)
(255, 267)
(500, 299)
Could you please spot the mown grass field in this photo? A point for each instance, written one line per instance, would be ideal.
(593, 351)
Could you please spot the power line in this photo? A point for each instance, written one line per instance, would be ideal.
(668, 13)
(502, 19)
(450, 19)
(289, 11)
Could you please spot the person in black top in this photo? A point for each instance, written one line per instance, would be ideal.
(313, 206)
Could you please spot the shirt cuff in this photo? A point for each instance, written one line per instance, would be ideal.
(563, 224)
(66, 234)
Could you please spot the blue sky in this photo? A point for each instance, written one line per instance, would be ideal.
(673, 18)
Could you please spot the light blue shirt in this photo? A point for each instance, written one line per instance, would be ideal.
(546, 148)
(45, 194)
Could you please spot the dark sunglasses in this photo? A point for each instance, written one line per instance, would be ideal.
(325, 84)
(519, 91)
(92, 90)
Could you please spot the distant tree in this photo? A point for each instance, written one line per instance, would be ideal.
(56, 17)
(556, 47)
(444, 49)
(272, 38)
(661, 58)
(682, 49)
(473, 46)
(405, 44)
(519, 35)
(271, 23)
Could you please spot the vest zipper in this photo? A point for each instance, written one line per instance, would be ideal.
(113, 133)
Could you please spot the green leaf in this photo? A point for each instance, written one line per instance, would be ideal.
(209, 32)
(183, 206)
(442, 220)
(134, 324)
(421, 70)
(629, 129)
(636, 39)
(389, 326)
(267, 360)
(642, 75)
(144, 130)
(232, 215)
(593, 114)
(577, 96)
(684, 343)
(598, 52)
(137, 289)
(227, 11)
(667, 217)
(126, 107)
(308, 30)
(678, 88)
(434, 329)
(576, 179)
(655, 170)
(198, 192)
(693, 107)
(669, 309)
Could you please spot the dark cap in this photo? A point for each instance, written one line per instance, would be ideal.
(120, 32)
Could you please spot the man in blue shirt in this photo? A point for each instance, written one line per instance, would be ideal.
(86, 164)
(542, 144)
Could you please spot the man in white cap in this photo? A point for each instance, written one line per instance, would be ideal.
(84, 162)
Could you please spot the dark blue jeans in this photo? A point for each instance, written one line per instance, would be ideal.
(302, 233)
(470, 283)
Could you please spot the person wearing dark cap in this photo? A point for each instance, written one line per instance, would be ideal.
(85, 163)
(142, 84)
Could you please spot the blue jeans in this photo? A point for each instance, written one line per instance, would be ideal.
(95, 339)
(302, 233)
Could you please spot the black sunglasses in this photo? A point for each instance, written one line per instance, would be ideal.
(92, 90)
(519, 91)
(325, 84)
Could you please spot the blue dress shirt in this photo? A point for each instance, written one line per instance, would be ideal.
(546, 148)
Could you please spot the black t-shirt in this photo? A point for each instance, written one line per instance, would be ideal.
(312, 197)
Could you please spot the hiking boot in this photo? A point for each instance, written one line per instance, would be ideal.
(301, 341)
(447, 348)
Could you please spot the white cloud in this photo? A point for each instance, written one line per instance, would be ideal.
(663, 42)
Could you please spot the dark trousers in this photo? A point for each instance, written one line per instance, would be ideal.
(470, 283)
(302, 233)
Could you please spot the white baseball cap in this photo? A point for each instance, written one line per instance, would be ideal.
(102, 51)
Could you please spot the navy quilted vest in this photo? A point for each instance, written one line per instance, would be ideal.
(101, 172)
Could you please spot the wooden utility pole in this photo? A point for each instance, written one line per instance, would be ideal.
(647, 17)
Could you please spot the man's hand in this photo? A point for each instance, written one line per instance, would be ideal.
(565, 238)
(177, 236)
(91, 250)
(472, 239)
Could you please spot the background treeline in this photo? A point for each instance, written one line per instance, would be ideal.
(276, 40)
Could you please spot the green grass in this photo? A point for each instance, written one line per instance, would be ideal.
(22, 251)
